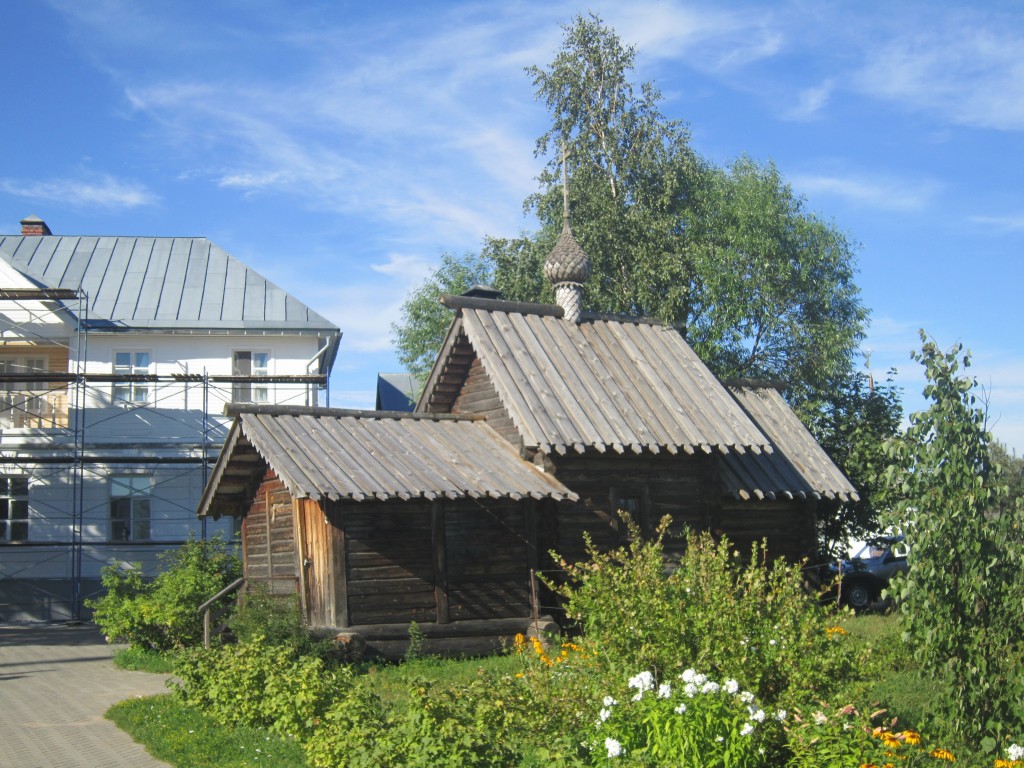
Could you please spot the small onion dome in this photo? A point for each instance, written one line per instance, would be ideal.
(567, 263)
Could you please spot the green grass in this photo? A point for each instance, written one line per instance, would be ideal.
(186, 738)
(144, 660)
(392, 681)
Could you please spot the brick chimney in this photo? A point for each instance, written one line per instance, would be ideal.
(34, 226)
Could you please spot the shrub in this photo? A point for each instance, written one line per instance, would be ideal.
(259, 685)
(162, 614)
(750, 621)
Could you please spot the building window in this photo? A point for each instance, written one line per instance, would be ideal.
(21, 404)
(129, 508)
(131, 364)
(13, 509)
(249, 363)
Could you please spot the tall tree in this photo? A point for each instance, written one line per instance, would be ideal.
(961, 600)
(761, 287)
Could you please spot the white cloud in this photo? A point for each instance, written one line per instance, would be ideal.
(885, 193)
(1009, 223)
(968, 71)
(811, 101)
(412, 268)
(104, 192)
(254, 181)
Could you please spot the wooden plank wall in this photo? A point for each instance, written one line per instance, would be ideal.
(272, 560)
(390, 562)
(487, 565)
(478, 396)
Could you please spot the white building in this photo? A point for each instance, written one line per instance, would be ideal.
(117, 357)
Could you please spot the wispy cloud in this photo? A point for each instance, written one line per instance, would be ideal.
(1008, 223)
(103, 192)
(890, 194)
(968, 71)
(810, 101)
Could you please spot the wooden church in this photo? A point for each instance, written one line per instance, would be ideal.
(538, 423)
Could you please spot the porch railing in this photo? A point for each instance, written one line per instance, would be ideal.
(40, 410)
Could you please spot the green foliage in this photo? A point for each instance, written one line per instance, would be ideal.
(259, 685)
(421, 331)
(272, 619)
(853, 423)
(962, 599)
(139, 659)
(162, 614)
(749, 621)
(185, 737)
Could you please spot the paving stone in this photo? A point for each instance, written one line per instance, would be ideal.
(56, 682)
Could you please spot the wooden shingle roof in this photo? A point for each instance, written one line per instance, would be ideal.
(598, 384)
(797, 468)
(336, 454)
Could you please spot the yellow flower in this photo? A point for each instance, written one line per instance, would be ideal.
(911, 737)
(943, 754)
(868, 765)
(890, 740)
(833, 631)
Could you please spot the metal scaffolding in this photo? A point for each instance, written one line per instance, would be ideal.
(55, 406)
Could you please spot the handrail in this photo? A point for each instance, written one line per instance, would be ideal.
(229, 588)
(204, 609)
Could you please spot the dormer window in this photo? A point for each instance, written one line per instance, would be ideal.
(131, 363)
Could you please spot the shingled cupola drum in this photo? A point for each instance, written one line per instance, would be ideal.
(567, 266)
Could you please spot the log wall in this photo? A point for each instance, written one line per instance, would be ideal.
(682, 486)
(389, 557)
(488, 575)
(789, 526)
(478, 396)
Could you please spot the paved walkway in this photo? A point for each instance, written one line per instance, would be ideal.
(56, 682)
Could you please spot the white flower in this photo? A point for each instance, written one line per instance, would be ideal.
(614, 748)
(644, 681)
(691, 689)
(746, 697)
(604, 714)
(1015, 752)
(731, 686)
(746, 730)
(757, 715)
(781, 715)
(720, 738)
(711, 687)
(771, 642)
(664, 691)
(639, 695)
(680, 709)
(700, 679)
(819, 718)
(609, 701)
(688, 675)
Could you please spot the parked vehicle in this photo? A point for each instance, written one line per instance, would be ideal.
(867, 573)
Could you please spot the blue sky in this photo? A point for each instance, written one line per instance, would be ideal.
(340, 149)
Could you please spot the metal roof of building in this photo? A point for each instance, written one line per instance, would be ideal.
(598, 384)
(396, 391)
(366, 455)
(797, 468)
(161, 283)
